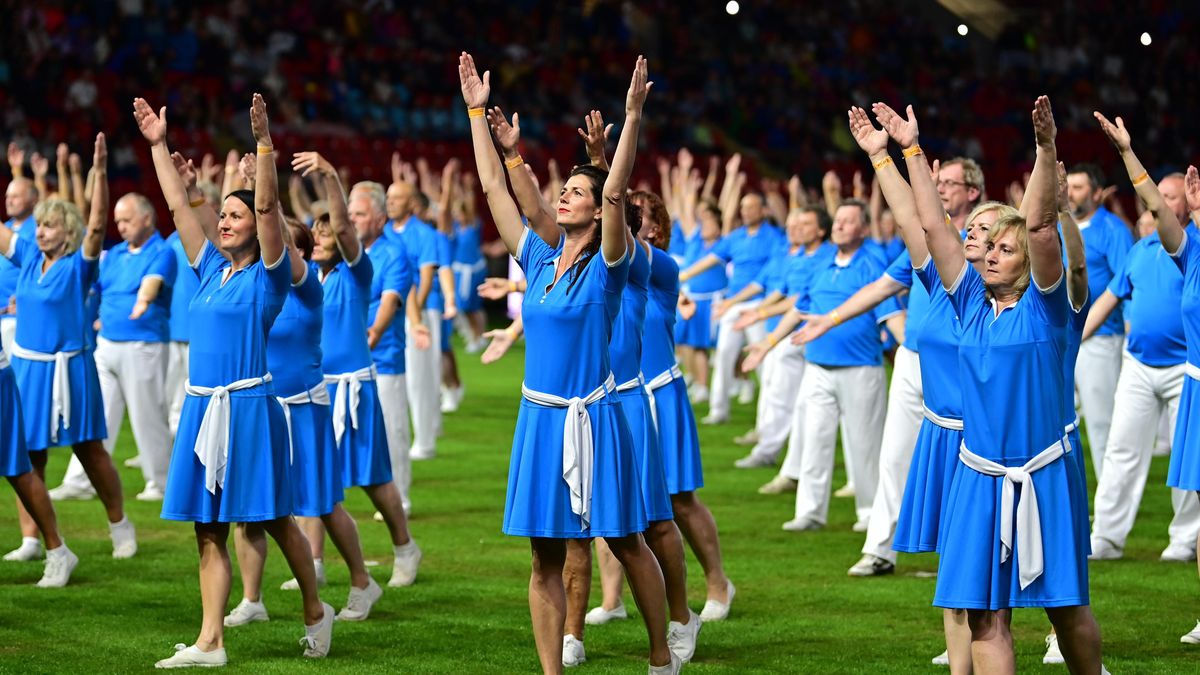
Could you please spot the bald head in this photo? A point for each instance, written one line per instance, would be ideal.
(400, 202)
(19, 198)
(135, 218)
(1171, 188)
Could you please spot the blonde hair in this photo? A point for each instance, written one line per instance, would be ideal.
(1014, 223)
(67, 214)
(1004, 209)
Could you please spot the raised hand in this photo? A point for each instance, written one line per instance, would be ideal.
(731, 166)
(596, 137)
(502, 339)
(494, 288)
(75, 163)
(309, 162)
(507, 135)
(902, 130)
(39, 165)
(1063, 204)
(831, 184)
(1117, 133)
(859, 187)
(153, 127)
(185, 169)
(475, 90)
(209, 169)
(100, 153)
(248, 170)
(1044, 129)
(62, 153)
(16, 157)
(685, 161)
(872, 141)
(639, 88)
(1191, 189)
(397, 163)
(258, 121)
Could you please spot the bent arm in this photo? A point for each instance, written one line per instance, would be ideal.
(1101, 309)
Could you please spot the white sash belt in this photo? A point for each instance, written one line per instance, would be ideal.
(661, 380)
(701, 297)
(60, 388)
(212, 441)
(1071, 427)
(3, 360)
(346, 396)
(466, 272)
(1028, 523)
(318, 394)
(943, 422)
(577, 450)
(1192, 370)
(636, 382)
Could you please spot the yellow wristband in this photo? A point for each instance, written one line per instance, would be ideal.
(836, 317)
(772, 340)
(196, 202)
(265, 149)
(1141, 179)
(762, 314)
(912, 152)
(511, 333)
(512, 287)
(474, 112)
(882, 163)
(514, 162)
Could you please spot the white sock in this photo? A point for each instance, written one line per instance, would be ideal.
(57, 552)
(27, 542)
(119, 524)
(403, 548)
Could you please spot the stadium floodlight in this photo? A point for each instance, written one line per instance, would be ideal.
(962, 29)
(1146, 39)
(732, 7)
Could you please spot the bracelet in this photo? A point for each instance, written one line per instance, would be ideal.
(912, 152)
(514, 162)
(196, 202)
(474, 112)
(512, 287)
(836, 317)
(772, 340)
(230, 169)
(762, 314)
(265, 149)
(511, 333)
(1141, 179)
(882, 163)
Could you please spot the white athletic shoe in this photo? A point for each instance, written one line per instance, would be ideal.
(361, 600)
(698, 394)
(422, 455)
(746, 392)
(317, 637)
(60, 562)
(246, 612)
(1103, 549)
(871, 566)
(124, 539)
(152, 493)
(860, 526)
(681, 638)
(192, 657)
(802, 525)
(293, 585)
(753, 461)
(572, 654)
(1192, 638)
(942, 659)
(673, 668)
(404, 567)
(451, 397)
(749, 439)
(846, 490)
(1053, 653)
(30, 549)
(714, 419)
(715, 610)
(134, 462)
(778, 485)
(378, 517)
(66, 492)
(1178, 553)
(598, 616)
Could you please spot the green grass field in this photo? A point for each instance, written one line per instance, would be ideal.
(796, 609)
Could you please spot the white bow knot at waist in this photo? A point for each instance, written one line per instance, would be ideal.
(319, 394)
(1028, 523)
(577, 451)
(212, 440)
(661, 380)
(3, 360)
(60, 388)
(345, 396)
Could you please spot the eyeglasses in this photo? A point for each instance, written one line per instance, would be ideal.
(944, 183)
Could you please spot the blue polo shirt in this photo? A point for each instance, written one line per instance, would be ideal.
(749, 254)
(799, 272)
(444, 255)
(121, 274)
(392, 275)
(182, 291)
(419, 242)
(1106, 242)
(711, 280)
(1152, 286)
(901, 271)
(854, 342)
(9, 273)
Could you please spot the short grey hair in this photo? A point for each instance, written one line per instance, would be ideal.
(143, 205)
(372, 192)
(66, 213)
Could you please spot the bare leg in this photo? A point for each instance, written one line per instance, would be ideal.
(450, 370)
(664, 541)
(100, 471)
(294, 545)
(215, 579)
(547, 601)
(991, 641)
(700, 371)
(612, 576)
(577, 582)
(32, 491)
(699, 527)
(314, 531)
(1078, 637)
(649, 592)
(958, 640)
(478, 324)
(29, 527)
(386, 499)
(250, 544)
(344, 533)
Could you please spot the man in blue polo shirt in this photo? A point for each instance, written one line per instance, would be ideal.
(19, 199)
(131, 350)
(1151, 381)
(182, 290)
(748, 248)
(1106, 242)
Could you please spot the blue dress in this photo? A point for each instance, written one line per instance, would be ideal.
(392, 274)
(294, 357)
(1184, 472)
(567, 329)
(625, 354)
(1011, 367)
(677, 435)
(470, 267)
(1075, 458)
(14, 457)
(364, 450)
(700, 331)
(183, 289)
(51, 307)
(230, 320)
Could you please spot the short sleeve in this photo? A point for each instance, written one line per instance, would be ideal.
(428, 252)
(928, 275)
(1120, 285)
(208, 261)
(887, 309)
(531, 251)
(901, 269)
(1053, 302)
(723, 249)
(309, 291)
(967, 293)
(1188, 251)
(279, 277)
(21, 250)
(395, 275)
(664, 271)
(615, 276)
(362, 270)
(443, 249)
(88, 269)
(164, 265)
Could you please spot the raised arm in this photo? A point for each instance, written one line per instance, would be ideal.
(299, 199)
(339, 221)
(615, 235)
(891, 184)
(61, 156)
(40, 166)
(1041, 200)
(541, 217)
(93, 238)
(231, 182)
(475, 91)
(266, 189)
(1077, 274)
(192, 231)
(831, 189)
(758, 350)
(1170, 230)
(1191, 189)
(687, 203)
(445, 217)
(77, 195)
(595, 138)
(16, 161)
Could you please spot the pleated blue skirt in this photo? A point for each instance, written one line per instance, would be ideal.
(1184, 471)
(468, 296)
(934, 461)
(655, 496)
(970, 574)
(316, 469)
(678, 438)
(1079, 493)
(35, 381)
(364, 451)
(699, 331)
(447, 331)
(257, 473)
(538, 503)
(14, 455)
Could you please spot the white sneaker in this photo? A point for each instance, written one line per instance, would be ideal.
(378, 517)
(802, 525)
(572, 654)
(152, 493)
(293, 585)
(65, 492)
(1192, 638)
(846, 490)
(30, 549)
(698, 394)
(715, 610)
(860, 526)
(451, 397)
(317, 637)
(1103, 549)
(134, 462)
(871, 566)
(711, 419)
(60, 562)
(778, 485)
(361, 600)
(753, 461)
(672, 668)
(422, 455)
(942, 659)
(247, 611)
(404, 567)
(746, 392)
(1053, 653)
(191, 657)
(681, 638)
(1178, 553)
(124, 539)
(598, 616)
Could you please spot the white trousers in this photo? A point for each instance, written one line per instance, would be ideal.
(8, 332)
(393, 398)
(729, 346)
(177, 375)
(905, 410)
(856, 396)
(1143, 393)
(782, 370)
(133, 375)
(424, 382)
(1096, 372)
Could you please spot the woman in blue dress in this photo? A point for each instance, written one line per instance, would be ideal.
(230, 460)
(1008, 536)
(573, 474)
(696, 332)
(51, 353)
